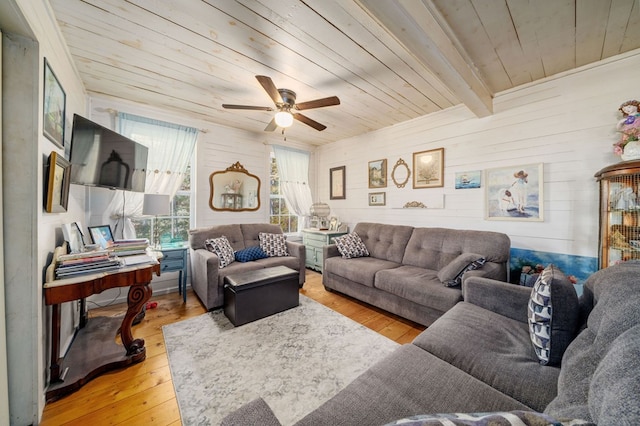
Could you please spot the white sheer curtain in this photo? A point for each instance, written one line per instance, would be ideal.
(293, 166)
(170, 149)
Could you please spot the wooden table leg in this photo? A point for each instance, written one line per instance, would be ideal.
(55, 343)
(138, 296)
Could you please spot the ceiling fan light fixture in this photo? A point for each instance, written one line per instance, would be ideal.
(284, 119)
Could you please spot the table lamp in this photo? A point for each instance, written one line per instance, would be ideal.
(155, 205)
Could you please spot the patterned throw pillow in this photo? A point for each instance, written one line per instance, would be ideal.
(553, 315)
(221, 247)
(472, 266)
(351, 246)
(453, 268)
(483, 419)
(250, 253)
(273, 244)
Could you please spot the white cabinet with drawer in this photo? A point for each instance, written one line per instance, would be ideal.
(314, 240)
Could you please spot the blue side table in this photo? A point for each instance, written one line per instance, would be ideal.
(175, 259)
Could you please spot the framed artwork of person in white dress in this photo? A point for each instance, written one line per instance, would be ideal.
(515, 193)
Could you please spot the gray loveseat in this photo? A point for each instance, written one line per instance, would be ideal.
(207, 279)
(478, 357)
(403, 271)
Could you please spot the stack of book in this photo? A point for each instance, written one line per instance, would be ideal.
(70, 265)
(129, 247)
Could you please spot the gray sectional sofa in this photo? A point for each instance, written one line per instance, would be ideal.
(207, 278)
(479, 357)
(406, 267)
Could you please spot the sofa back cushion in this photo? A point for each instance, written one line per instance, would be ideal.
(387, 242)
(614, 389)
(198, 236)
(251, 232)
(614, 292)
(435, 248)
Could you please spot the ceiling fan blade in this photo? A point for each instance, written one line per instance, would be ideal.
(257, 108)
(309, 122)
(318, 103)
(271, 126)
(270, 88)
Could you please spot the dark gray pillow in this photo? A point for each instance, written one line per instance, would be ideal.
(553, 315)
(463, 263)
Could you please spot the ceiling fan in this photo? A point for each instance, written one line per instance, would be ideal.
(286, 106)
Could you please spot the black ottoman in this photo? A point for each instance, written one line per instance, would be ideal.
(252, 295)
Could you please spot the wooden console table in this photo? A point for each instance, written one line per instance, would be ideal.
(94, 349)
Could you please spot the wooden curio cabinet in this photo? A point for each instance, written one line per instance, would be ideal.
(619, 212)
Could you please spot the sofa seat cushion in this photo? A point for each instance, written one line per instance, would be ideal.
(494, 349)
(235, 268)
(361, 270)
(418, 285)
(408, 382)
(289, 261)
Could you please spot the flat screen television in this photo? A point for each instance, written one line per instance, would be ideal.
(102, 157)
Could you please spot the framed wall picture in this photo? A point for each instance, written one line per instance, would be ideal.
(428, 168)
(468, 180)
(73, 235)
(337, 183)
(58, 179)
(377, 198)
(515, 193)
(54, 105)
(378, 173)
(101, 235)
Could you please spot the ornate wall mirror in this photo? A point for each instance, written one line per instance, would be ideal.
(234, 189)
(400, 173)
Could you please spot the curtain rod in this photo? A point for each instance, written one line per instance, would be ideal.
(114, 112)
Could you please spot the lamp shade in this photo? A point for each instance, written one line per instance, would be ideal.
(284, 119)
(156, 204)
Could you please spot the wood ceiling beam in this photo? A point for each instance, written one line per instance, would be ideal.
(420, 29)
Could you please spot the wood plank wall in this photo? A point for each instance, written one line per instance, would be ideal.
(566, 122)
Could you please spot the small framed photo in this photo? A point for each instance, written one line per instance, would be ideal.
(378, 174)
(54, 105)
(101, 235)
(58, 179)
(515, 193)
(73, 235)
(468, 180)
(428, 168)
(377, 198)
(337, 183)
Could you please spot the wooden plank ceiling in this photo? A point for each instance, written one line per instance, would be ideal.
(388, 61)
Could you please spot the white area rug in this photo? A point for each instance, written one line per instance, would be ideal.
(294, 360)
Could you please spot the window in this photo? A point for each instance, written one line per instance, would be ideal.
(279, 214)
(174, 227)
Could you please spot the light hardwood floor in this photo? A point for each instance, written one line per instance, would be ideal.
(143, 393)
